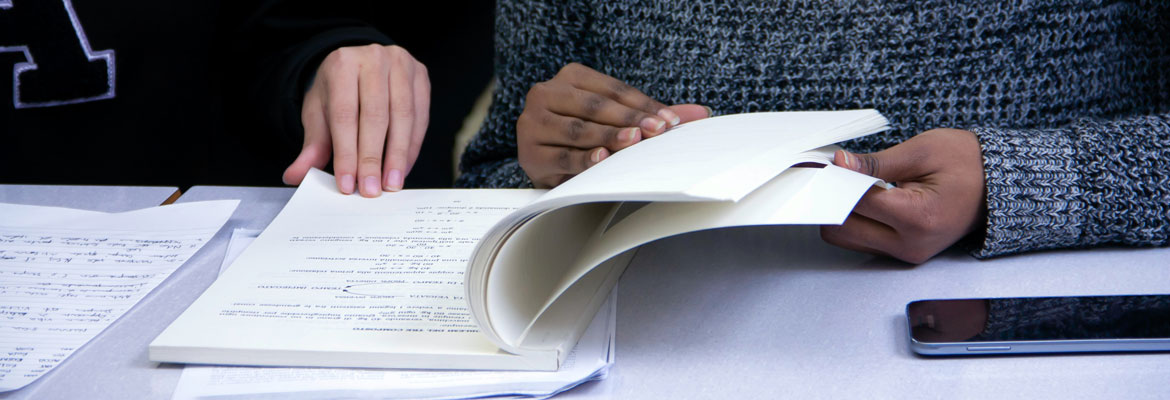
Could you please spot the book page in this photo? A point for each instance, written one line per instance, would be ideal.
(66, 274)
(341, 280)
(798, 196)
(715, 159)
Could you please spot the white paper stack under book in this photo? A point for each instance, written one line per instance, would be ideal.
(502, 279)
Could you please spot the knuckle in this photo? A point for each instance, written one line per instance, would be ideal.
(593, 104)
(393, 52)
(869, 163)
(536, 93)
(632, 117)
(373, 162)
(619, 87)
(575, 130)
(570, 68)
(650, 104)
(563, 159)
(342, 113)
(523, 123)
(611, 136)
(548, 120)
(402, 108)
(379, 116)
(831, 235)
(914, 255)
(583, 161)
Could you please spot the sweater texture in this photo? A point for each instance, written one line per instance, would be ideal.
(1069, 98)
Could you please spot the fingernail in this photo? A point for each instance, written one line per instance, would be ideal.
(710, 112)
(599, 155)
(628, 135)
(394, 180)
(669, 116)
(347, 184)
(846, 158)
(370, 187)
(653, 124)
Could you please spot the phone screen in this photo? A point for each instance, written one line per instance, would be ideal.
(1039, 319)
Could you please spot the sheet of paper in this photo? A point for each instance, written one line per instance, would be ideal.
(720, 158)
(590, 360)
(241, 238)
(66, 274)
(348, 281)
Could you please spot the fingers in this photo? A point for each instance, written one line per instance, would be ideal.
(568, 120)
(317, 146)
(422, 109)
(580, 134)
(374, 121)
(341, 112)
(402, 122)
(863, 234)
(588, 79)
(374, 104)
(895, 164)
(900, 208)
(597, 108)
(557, 164)
(690, 112)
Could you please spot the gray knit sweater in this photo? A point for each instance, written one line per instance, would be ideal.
(1069, 98)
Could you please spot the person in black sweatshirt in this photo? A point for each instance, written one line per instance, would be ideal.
(163, 93)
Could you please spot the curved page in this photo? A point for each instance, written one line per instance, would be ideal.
(717, 159)
(345, 281)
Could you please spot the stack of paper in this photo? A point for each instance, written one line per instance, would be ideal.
(590, 360)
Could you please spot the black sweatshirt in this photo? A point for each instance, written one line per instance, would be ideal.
(165, 93)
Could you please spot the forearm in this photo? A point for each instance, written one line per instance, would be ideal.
(1091, 183)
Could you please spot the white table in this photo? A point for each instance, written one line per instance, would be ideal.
(757, 312)
(94, 198)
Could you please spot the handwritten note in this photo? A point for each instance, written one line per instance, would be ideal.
(65, 275)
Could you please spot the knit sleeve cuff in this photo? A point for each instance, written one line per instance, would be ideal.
(1033, 200)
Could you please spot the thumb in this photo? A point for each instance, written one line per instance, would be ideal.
(690, 112)
(887, 165)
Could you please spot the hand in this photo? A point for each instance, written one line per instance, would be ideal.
(939, 197)
(368, 107)
(581, 116)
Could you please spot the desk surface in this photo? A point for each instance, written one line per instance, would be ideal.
(747, 312)
(94, 198)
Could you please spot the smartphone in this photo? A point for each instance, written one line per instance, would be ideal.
(987, 326)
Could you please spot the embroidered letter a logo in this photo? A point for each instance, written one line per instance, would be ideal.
(59, 67)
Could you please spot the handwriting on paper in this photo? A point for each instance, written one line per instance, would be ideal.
(62, 283)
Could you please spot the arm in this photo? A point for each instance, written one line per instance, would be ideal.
(1094, 182)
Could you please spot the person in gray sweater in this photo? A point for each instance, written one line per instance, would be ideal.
(1056, 113)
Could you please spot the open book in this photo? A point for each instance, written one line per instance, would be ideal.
(502, 278)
